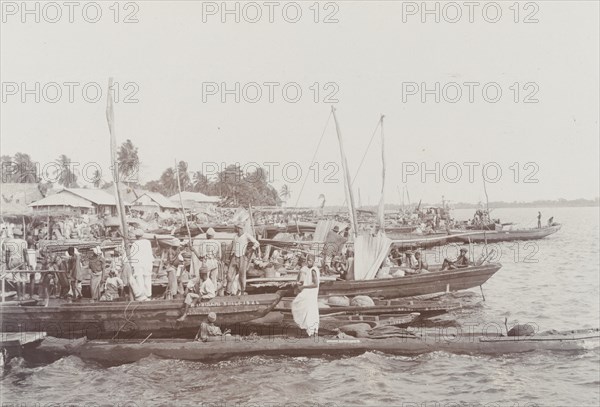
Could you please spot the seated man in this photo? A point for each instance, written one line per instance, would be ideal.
(201, 289)
(209, 329)
(461, 262)
(112, 287)
(421, 265)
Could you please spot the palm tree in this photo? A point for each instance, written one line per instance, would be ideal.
(98, 178)
(200, 182)
(129, 162)
(184, 176)
(66, 177)
(285, 193)
(26, 169)
(168, 180)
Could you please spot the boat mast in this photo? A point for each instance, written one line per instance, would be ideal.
(348, 181)
(110, 117)
(381, 212)
(185, 222)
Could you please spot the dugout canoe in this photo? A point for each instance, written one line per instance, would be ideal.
(226, 347)
(426, 308)
(132, 319)
(509, 235)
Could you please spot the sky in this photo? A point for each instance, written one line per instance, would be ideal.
(516, 89)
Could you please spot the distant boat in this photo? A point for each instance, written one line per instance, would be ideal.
(510, 235)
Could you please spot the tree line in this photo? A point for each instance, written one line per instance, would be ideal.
(234, 186)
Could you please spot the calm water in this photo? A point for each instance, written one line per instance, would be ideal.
(556, 288)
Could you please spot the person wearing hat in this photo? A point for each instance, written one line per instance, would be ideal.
(14, 254)
(141, 258)
(96, 264)
(461, 262)
(240, 258)
(208, 329)
(199, 289)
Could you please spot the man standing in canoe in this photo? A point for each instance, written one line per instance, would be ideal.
(240, 258)
(305, 307)
(141, 258)
(96, 266)
(539, 220)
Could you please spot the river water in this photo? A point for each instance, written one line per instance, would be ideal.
(553, 283)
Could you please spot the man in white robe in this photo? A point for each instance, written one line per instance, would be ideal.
(305, 307)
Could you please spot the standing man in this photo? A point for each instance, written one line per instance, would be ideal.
(75, 273)
(305, 307)
(210, 251)
(141, 258)
(240, 258)
(14, 251)
(96, 265)
(539, 220)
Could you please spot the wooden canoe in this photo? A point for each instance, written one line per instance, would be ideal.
(510, 235)
(133, 319)
(415, 284)
(426, 308)
(226, 347)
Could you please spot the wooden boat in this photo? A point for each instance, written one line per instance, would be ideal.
(408, 344)
(436, 281)
(425, 308)
(132, 319)
(509, 235)
(414, 241)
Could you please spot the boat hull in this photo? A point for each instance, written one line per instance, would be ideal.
(133, 319)
(119, 352)
(509, 235)
(413, 285)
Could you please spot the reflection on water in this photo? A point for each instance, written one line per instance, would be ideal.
(555, 288)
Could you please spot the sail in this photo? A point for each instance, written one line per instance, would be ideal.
(370, 252)
(347, 179)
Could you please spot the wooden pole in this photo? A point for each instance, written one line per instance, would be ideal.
(181, 202)
(115, 164)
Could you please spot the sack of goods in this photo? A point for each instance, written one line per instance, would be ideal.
(362, 301)
(338, 301)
